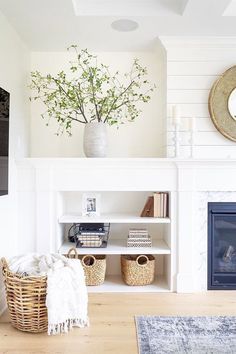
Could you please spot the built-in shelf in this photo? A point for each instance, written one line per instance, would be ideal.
(119, 247)
(114, 283)
(121, 209)
(112, 218)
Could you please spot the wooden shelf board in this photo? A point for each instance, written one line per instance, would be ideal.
(118, 247)
(112, 218)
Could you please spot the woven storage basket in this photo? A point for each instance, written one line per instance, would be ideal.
(138, 270)
(26, 297)
(94, 266)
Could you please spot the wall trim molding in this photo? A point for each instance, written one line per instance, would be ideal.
(199, 42)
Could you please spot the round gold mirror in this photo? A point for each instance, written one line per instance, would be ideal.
(222, 104)
(232, 104)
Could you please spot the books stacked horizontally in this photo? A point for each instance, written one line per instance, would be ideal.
(156, 205)
(90, 239)
(92, 235)
(139, 238)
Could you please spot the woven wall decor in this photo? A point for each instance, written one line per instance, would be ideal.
(221, 93)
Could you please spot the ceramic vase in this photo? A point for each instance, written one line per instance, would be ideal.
(95, 139)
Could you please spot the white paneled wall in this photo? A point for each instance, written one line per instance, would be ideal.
(15, 66)
(193, 65)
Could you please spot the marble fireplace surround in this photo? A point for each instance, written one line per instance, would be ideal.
(192, 183)
(200, 241)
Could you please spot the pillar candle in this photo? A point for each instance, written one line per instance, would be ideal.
(192, 124)
(176, 115)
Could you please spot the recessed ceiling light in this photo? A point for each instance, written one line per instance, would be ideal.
(124, 25)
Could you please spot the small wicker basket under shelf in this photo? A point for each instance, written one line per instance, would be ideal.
(26, 300)
(138, 269)
(94, 266)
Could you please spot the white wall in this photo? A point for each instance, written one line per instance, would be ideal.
(142, 138)
(193, 65)
(14, 69)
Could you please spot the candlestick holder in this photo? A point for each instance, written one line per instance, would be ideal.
(192, 126)
(177, 141)
(192, 136)
(176, 123)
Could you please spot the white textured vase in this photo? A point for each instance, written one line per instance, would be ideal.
(95, 139)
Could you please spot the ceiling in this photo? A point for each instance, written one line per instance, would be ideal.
(53, 25)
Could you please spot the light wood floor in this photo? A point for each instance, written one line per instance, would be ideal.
(112, 327)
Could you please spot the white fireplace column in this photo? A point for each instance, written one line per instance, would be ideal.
(185, 227)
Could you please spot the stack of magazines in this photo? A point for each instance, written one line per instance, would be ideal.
(139, 238)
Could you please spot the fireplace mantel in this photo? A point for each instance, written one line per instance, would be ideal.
(206, 174)
(44, 179)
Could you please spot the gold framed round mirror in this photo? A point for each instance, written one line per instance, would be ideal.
(222, 104)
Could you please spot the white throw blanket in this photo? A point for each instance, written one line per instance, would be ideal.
(67, 298)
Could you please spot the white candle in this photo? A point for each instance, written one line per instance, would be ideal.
(192, 128)
(176, 115)
(192, 124)
(176, 122)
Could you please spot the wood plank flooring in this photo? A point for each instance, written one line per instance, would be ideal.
(112, 327)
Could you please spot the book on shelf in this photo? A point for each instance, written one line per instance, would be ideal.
(140, 243)
(138, 230)
(90, 243)
(141, 233)
(156, 205)
(84, 238)
(98, 233)
(148, 209)
(139, 237)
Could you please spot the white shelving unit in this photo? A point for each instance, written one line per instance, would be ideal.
(120, 222)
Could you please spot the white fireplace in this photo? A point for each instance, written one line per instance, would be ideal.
(44, 185)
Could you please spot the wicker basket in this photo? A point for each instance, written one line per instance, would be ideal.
(94, 266)
(138, 270)
(26, 297)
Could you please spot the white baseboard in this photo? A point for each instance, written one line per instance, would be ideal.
(3, 304)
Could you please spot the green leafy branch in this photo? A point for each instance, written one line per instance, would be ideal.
(92, 94)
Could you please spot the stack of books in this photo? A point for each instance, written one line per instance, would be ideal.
(90, 235)
(139, 238)
(160, 204)
(90, 239)
(156, 205)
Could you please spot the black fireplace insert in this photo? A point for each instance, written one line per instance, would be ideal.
(222, 246)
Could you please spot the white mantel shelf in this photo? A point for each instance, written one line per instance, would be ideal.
(118, 162)
(128, 174)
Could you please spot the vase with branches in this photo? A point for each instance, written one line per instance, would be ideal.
(90, 93)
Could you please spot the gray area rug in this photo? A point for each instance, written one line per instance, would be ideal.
(186, 335)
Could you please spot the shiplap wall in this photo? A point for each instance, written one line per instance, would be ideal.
(193, 65)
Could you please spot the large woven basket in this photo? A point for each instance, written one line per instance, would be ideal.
(138, 270)
(94, 266)
(26, 297)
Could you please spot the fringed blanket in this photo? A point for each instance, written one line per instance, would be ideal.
(67, 298)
